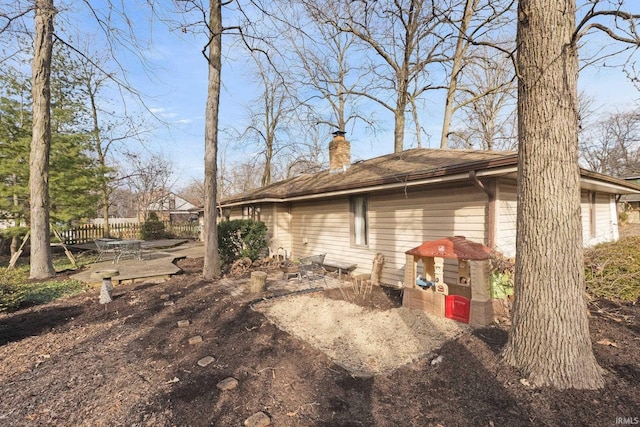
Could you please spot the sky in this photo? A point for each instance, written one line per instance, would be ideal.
(175, 91)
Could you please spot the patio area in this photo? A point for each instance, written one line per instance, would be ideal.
(157, 263)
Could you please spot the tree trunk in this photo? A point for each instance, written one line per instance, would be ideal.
(41, 263)
(258, 282)
(15, 245)
(398, 131)
(458, 56)
(211, 267)
(549, 340)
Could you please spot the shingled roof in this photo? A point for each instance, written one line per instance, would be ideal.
(406, 166)
(398, 168)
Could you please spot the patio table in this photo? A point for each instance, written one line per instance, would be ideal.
(127, 248)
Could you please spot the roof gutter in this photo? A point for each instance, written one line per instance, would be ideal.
(441, 179)
(402, 184)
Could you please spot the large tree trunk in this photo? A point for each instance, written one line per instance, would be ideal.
(549, 340)
(211, 267)
(41, 263)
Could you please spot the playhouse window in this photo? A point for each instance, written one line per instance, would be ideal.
(359, 222)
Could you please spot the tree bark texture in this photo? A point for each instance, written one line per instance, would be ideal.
(258, 282)
(211, 267)
(549, 341)
(41, 262)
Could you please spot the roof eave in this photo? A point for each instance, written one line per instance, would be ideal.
(349, 190)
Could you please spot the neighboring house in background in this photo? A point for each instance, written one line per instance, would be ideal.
(7, 223)
(630, 203)
(393, 203)
(173, 208)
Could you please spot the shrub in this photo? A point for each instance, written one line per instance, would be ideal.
(11, 297)
(241, 238)
(612, 270)
(16, 291)
(153, 228)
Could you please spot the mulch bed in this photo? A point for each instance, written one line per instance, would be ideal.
(76, 362)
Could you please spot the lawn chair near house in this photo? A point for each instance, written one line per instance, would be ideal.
(311, 268)
(105, 250)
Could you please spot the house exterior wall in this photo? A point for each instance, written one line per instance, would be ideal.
(506, 213)
(599, 218)
(400, 220)
(603, 207)
(397, 222)
(278, 221)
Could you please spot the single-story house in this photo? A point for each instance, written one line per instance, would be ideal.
(392, 203)
(630, 203)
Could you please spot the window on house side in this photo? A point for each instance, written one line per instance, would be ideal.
(251, 212)
(359, 225)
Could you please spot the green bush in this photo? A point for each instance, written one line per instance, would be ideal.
(11, 297)
(44, 292)
(241, 238)
(16, 291)
(153, 228)
(612, 270)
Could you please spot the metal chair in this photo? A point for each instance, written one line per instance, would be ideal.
(311, 268)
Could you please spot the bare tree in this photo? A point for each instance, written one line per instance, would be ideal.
(324, 62)
(490, 18)
(269, 113)
(613, 145)
(549, 340)
(148, 179)
(405, 38)
(108, 129)
(486, 100)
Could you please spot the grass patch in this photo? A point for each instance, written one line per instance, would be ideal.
(17, 291)
(612, 270)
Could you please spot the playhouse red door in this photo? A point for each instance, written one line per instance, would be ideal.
(457, 308)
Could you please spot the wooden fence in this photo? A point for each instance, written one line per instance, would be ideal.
(89, 232)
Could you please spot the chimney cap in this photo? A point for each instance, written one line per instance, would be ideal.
(339, 133)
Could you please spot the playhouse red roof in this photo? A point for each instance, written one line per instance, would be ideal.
(452, 247)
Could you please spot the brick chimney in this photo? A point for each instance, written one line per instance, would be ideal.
(339, 153)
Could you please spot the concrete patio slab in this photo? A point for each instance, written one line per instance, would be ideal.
(157, 265)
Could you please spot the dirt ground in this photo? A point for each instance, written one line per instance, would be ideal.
(78, 363)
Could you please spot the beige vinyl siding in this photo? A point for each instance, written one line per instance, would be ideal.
(507, 209)
(599, 220)
(268, 216)
(396, 224)
(320, 227)
(281, 234)
(236, 213)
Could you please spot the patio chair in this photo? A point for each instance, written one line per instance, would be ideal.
(311, 268)
(105, 251)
